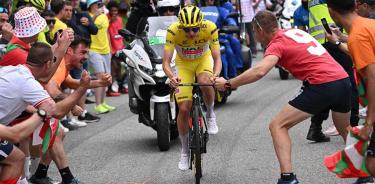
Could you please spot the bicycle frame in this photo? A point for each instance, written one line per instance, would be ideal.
(197, 137)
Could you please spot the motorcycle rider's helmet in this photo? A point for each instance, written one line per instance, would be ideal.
(165, 5)
(190, 16)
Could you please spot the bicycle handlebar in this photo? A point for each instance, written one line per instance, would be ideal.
(195, 84)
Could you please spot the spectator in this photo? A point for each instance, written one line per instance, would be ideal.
(301, 16)
(26, 34)
(63, 10)
(49, 16)
(15, 98)
(81, 22)
(84, 26)
(115, 24)
(100, 53)
(77, 53)
(317, 11)
(366, 8)
(6, 29)
(361, 45)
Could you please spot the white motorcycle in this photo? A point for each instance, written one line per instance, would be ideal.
(152, 101)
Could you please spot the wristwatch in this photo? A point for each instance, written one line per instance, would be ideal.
(42, 113)
(228, 85)
(338, 43)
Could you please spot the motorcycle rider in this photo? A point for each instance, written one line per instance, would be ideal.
(195, 41)
(164, 8)
(168, 7)
(140, 9)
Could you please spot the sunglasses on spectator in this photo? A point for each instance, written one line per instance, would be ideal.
(256, 21)
(50, 21)
(3, 10)
(188, 29)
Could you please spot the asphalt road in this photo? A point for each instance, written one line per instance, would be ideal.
(120, 150)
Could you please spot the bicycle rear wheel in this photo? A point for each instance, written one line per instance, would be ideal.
(197, 159)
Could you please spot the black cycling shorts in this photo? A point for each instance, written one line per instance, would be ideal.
(371, 147)
(314, 98)
(5, 149)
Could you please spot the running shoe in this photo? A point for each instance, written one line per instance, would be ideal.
(331, 131)
(110, 108)
(74, 181)
(101, 109)
(294, 181)
(183, 164)
(66, 123)
(46, 180)
(78, 123)
(89, 118)
(211, 126)
(66, 130)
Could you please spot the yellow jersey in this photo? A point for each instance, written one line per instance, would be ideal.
(192, 49)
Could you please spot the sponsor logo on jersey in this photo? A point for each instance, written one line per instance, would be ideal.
(192, 50)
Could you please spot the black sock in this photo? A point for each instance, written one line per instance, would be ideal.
(41, 171)
(66, 175)
(287, 176)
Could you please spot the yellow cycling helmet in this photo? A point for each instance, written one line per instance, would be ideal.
(38, 4)
(190, 16)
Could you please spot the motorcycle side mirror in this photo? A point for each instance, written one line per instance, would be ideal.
(126, 33)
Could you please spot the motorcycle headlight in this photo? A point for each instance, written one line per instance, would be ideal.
(159, 72)
(146, 70)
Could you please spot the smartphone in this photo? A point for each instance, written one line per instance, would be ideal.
(325, 25)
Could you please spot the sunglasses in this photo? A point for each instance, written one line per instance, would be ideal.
(3, 10)
(256, 21)
(50, 21)
(194, 29)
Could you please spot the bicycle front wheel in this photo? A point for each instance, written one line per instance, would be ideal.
(197, 159)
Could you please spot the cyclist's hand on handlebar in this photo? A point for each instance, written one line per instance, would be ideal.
(220, 84)
(174, 81)
(213, 79)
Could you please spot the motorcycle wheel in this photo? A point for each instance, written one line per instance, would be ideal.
(163, 124)
(283, 74)
(247, 57)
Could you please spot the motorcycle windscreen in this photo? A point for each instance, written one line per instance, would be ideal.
(157, 32)
(210, 13)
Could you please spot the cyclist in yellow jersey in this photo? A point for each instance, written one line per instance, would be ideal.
(195, 41)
